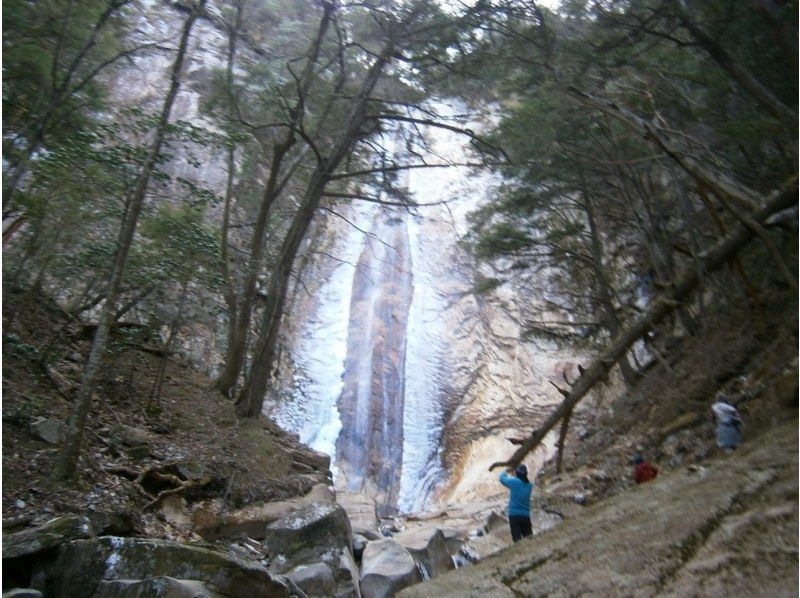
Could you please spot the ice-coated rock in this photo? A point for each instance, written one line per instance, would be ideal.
(386, 568)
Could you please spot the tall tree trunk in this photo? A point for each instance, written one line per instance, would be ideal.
(251, 399)
(67, 464)
(237, 345)
(230, 284)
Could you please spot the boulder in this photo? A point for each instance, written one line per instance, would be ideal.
(81, 565)
(45, 537)
(386, 568)
(22, 593)
(154, 587)
(316, 460)
(305, 534)
(131, 436)
(254, 519)
(315, 579)
(191, 470)
(361, 511)
(173, 510)
(49, 430)
(347, 577)
(428, 548)
(110, 523)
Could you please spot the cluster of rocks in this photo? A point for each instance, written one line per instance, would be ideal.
(318, 544)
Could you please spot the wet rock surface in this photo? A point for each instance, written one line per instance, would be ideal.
(728, 527)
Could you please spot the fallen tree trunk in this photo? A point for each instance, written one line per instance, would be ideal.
(712, 259)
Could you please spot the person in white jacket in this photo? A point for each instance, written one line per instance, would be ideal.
(729, 424)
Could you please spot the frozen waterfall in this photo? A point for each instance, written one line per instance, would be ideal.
(370, 358)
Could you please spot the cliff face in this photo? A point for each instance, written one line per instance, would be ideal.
(389, 362)
(389, 349)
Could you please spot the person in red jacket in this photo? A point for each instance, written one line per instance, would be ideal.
(644, 471)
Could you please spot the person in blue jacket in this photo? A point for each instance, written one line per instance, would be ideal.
(519, 503)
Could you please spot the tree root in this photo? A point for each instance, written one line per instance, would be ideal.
(160, 476)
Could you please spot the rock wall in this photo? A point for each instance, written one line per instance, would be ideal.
(471, 378)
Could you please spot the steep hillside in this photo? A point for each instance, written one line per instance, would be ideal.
(44, 352)
(727, 527)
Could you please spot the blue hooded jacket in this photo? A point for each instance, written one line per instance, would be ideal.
(519, 503)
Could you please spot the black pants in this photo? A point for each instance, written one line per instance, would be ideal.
(520, 527)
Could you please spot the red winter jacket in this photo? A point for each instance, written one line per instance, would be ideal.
(644, 472)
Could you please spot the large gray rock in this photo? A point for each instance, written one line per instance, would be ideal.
(428, 547)
(361, 511)
(386, 568)
(315, 579)
(155, 587)
(81, 565)
(45, 537)
(347, 577)
(318, 528)
(49, 430)
(253, 520)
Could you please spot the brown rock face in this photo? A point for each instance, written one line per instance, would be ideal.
(370, 446)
